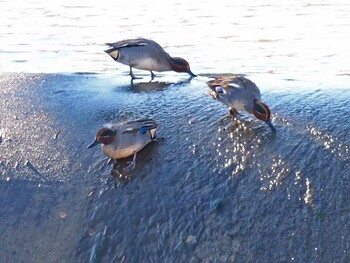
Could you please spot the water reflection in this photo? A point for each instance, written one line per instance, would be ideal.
(237, 144)
(151, 86)
(330, 143)
(242, 146)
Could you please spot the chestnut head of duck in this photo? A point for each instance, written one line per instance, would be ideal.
(104, 136)
(181, 65)
(263, 112)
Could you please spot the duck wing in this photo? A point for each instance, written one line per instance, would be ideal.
(242, 85)
(129, 43)
(250, 87)
(141, 125)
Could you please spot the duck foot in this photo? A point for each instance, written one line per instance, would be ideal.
(132, 165)
(158, 139)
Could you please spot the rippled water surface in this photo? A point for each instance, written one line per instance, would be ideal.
(214, 188)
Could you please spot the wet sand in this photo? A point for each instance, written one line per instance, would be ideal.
(44, 189)
(211, 190)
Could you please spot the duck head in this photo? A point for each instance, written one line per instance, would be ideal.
(262, 112)
(181, 65)
(105, 136)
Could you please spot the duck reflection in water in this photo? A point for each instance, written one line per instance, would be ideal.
(151, 86)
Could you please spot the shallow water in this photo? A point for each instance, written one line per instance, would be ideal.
(213, 189)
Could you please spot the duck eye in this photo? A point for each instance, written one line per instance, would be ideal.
(179, 62)
(107, 133)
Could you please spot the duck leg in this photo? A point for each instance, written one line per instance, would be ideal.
(132, 74)
(133, 163)
(233, 112)
(152, 75)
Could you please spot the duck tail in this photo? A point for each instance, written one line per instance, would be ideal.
(152, 132)
(113, 52)
(150, 126)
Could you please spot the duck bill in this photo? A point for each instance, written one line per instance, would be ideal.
(191, 73)
(92, 144)
(271, 126)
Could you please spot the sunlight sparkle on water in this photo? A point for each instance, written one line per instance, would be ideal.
(330, 143)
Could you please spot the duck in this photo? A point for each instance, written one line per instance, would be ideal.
(123, 139)
(146, 54)
(240, 94)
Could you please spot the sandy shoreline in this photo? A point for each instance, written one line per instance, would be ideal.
(45, 191)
